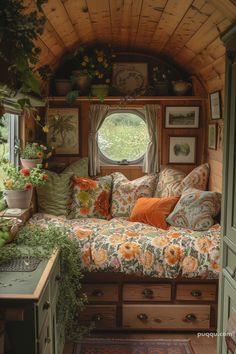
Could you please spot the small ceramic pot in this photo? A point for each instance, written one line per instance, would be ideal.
(100, 91)
(18, 198)
(30, 163)
(180, 88)
(82, 81)
(62, 87)
(162, 88)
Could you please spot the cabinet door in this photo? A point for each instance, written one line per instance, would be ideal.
(229, 307)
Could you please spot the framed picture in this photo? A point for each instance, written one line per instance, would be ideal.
(212, 136)
(129, 78)
(182, 149)
(220, 136)
(182, 117)
(63, 132)
(215, 104)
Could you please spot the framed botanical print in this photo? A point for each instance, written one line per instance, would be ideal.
(182, 117)
(212, 143)
(182, 149)
(63, 133)
(215, 103)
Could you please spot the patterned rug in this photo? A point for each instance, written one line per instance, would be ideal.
(132, 346)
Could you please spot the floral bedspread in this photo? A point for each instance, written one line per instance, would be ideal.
(131, 247)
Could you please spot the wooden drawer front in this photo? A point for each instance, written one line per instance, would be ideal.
(54, 279)
(196, 292)
(101, 292)
(103, 316)
(147, 292)
(230, 261)
(43, 308)
(166, 316)
(45, 337)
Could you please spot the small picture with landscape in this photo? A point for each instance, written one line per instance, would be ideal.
(182, 149)
(182, 117)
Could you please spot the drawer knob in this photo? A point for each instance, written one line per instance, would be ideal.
(147, 292)
(57, 277)
(234, 274)
(142, 316)
(46, 305)
(190, 317)
(196, 293)
(97, 292)
(97, 317)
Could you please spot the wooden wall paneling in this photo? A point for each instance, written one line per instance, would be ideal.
(173, 13)
(116, 10)
(148, 21)
(100, 19)
(57, 15)
(131, 172)
(126, 24)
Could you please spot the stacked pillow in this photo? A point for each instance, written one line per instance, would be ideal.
(55, 196)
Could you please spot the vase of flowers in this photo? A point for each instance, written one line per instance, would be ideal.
(19, 185)
(162, 80)
(33, 154)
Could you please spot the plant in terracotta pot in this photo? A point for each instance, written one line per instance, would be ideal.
(19, 184)
(33, 154)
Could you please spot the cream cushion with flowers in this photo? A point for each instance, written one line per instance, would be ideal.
(125, 192)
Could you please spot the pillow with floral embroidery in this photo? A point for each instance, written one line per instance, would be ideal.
(195, 210)
(125, 192)
(91, 198)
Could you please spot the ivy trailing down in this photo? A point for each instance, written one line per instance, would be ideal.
(41, 242)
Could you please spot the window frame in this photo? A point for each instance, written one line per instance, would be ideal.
(104, 160)
(13, 137)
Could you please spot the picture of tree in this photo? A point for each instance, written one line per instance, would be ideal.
(63, 132)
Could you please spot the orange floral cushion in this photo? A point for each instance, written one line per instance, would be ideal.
(153, 211)
(91, 198)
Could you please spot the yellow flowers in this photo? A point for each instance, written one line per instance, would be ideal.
(100, 59)
(40, 154)
(8, 183)
(84, 64)
(45, 128)
(86, 59)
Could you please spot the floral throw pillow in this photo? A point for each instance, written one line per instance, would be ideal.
(125, 192)
(169, 183)
(195, 210)
(197, 178)
(91, 198)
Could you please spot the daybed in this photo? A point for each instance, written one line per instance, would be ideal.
(139, 276)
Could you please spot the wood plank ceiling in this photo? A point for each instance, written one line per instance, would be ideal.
(186, 31)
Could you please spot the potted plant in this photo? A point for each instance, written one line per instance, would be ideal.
(19, 185)
(33, 155)
(162, 79)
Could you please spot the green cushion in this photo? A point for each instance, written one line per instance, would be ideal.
(78, 168)
(54, 196)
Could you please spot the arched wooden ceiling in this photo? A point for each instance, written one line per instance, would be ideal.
(187, 31)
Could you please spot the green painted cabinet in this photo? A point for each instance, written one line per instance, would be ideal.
(227, 292)
(28, 308)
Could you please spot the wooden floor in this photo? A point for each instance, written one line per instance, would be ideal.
(201, 345)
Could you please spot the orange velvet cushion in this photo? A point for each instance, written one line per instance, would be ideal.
(153, 211)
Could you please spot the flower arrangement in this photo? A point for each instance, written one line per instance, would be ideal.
(24, 179)
(36, 151)
(161, 73)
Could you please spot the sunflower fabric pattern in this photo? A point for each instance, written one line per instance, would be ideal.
(118, 245)
(91, 198)
(125, 192)
(196, 210)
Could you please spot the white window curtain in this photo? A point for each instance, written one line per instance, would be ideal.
(97, 114)
(151, 163)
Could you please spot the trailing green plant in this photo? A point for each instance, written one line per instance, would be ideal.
(19, 29)
(35, 241)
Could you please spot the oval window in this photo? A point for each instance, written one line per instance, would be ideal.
(123, 138)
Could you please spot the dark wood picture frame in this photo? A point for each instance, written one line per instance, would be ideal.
(184, 109)
(215, 105)
(73, 130)
(184, 146)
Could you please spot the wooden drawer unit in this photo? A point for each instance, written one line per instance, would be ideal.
(43, 307)
(55, 278)
(230, 260)
(196, 292)
(101, 292)
(147, 292)
(103, 316)
(179, 317)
